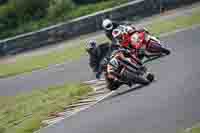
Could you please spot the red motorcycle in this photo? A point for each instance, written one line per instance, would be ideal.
(143, 44)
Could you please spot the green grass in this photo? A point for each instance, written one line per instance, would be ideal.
(160, 26)
(195, 130)
(25, 112)
(27, 64)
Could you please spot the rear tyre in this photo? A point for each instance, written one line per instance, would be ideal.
(135, 78)
(141, 80)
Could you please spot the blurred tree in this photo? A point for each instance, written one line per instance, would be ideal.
(26, 9)
(3, 1)
(85, 1)
(59, 8)
(16, 12)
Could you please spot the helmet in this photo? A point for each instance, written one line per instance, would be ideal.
(91, 45)
(117, 33)
(107, 24)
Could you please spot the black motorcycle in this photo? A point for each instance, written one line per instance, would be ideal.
(122, 68)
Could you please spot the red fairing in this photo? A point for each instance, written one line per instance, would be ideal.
(127, 41)
(141, 42)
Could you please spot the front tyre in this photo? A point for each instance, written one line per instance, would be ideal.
(150, 77)
(165, 51)
(157, 47)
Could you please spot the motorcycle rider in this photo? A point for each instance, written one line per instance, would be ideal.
(109, 25)
(98, 55)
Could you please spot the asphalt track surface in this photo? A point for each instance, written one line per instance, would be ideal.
(168, 104)
(77, 71)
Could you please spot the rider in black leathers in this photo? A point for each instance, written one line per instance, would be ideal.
(98, 58)
(98, 55)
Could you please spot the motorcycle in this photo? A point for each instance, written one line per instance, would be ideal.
(147, 45)
(143, 44)
(123, 69)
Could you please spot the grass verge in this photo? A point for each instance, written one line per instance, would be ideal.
(28, 64)
(195, 130)
(159, 26)
(24, 113)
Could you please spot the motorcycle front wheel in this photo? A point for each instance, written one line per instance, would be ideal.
(165, 51)
(155, 47)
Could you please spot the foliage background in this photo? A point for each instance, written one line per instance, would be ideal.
(20, 16)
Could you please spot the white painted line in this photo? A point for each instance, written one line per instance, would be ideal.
(188, 130)
(98, 88)
(91, 81)
(95, 81)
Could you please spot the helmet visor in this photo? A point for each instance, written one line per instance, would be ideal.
(109, 26)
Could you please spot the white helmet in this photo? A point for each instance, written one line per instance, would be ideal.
(107, 24)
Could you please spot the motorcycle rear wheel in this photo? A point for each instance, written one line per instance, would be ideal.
(135, 78)
(141, 80)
